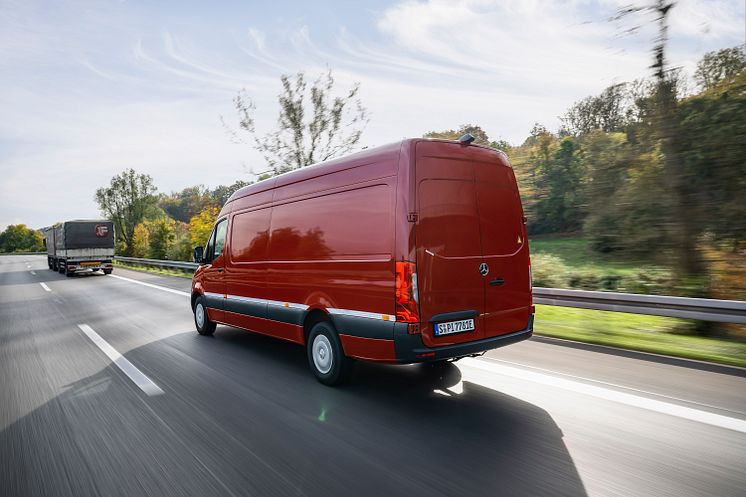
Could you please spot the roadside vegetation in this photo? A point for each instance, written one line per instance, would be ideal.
(655, 334)
(20, 238)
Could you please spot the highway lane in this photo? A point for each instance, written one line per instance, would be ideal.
(241, 415)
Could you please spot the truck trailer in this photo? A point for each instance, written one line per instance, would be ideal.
(79, 245)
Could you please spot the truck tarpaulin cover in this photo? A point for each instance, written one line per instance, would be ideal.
(89, 234)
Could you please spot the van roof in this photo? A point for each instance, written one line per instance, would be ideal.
(334, 165)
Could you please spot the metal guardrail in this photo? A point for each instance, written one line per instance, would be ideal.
(722, 311)
(159, 263)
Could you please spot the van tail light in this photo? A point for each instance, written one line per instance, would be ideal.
(406, 293)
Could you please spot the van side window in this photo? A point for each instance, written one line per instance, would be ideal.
(210, 248)
(220, 231)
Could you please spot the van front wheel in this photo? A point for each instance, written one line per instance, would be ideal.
(201, 321)
(325, 355)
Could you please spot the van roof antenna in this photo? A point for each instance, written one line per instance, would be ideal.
(467, 139)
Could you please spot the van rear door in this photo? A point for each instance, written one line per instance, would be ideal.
(472, 252)
(448, 239)
(504, 245)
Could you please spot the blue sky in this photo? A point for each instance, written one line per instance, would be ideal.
(89, 88)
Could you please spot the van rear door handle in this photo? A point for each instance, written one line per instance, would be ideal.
(220, 270)
(497, 282)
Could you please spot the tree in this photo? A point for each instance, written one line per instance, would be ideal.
(19, 238)
(480, 136)
(187, 203)
(609, 111)
(559, 179)
(222, 193)
(719, 66)
(162, 237)
(181, 248)
(126, 201)
(477, 132)
(141, 240)
(200, 226)
(312, 125)
(713, 130)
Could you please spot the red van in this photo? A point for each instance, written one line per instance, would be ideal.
(409, 252)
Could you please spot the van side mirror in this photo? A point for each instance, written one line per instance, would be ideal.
(198, 254)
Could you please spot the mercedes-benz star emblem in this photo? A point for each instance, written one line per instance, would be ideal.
(484, 269)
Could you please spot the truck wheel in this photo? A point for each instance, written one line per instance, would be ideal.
(325, 355)
(108, 271)
(201, 321)
(60, 268)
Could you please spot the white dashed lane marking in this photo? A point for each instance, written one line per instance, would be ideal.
(138, 377)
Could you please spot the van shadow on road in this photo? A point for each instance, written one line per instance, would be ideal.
(242, 415)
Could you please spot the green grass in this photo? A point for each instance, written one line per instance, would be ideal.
(154, 270)
(636, 332)
(576, 253)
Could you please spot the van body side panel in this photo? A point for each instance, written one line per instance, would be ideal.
(331, 239)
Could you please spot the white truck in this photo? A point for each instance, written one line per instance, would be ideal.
(80, 245)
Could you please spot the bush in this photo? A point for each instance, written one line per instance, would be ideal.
(549, 271)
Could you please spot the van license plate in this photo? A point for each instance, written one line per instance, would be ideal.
(453, 327)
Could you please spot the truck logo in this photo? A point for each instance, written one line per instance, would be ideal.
(484, 269)
(102, 230)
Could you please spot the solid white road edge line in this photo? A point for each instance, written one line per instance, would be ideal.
(705, 417)
(138, 378)
(613, 385)
(45, 287)
(157, 287)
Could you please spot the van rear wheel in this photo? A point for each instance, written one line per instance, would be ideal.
(201, 321)
(326, 357)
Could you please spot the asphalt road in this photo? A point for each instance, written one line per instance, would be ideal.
(240, 414)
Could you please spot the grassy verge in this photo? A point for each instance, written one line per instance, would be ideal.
(154, 270)
(636, 332)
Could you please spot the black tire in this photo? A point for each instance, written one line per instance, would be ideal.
(108, 271)
(204, 326)
(330, 365)
(60, 268)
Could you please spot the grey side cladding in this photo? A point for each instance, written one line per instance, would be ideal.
(254, 309)
(364, 327)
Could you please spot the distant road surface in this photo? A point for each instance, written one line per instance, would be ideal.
(107, 390)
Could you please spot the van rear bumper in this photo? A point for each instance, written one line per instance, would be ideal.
(409, 348)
